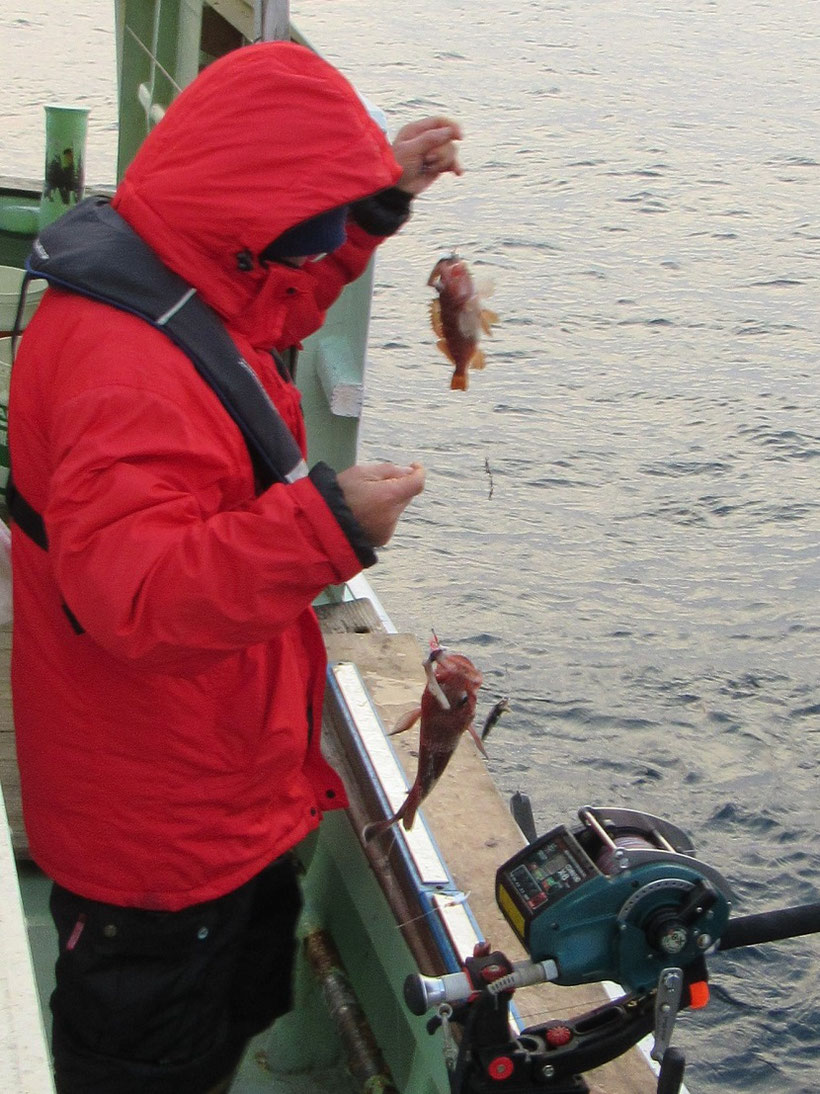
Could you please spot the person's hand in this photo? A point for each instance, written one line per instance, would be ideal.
(378, 493)
(425, 150)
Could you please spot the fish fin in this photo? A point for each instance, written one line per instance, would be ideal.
(435, 318)
(485, 287)
(445, 349)
(406, 721)
(488, 319)
(478, 360)
(459, 381)
(478, 742)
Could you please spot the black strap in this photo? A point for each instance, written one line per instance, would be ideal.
(24, 516)
(92, 251)
(28, 520)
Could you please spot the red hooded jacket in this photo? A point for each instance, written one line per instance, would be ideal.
(171, 751)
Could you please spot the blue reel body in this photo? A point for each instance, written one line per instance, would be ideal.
(621, 898)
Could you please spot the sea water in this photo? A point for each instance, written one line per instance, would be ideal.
(621, 523)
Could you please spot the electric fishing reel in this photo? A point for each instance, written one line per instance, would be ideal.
(620, 898)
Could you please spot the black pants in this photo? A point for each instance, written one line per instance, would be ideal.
(163, 1002)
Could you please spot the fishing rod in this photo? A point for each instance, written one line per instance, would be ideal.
(621, 898)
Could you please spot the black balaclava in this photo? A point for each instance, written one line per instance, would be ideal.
(319, 235)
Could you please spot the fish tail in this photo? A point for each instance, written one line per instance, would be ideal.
(410, 807)
(406, 814)
(377, 828)
(459, 381)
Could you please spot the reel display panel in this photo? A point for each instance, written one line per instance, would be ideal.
(549, 869)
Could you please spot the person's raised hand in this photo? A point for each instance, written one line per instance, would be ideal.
(427, 149)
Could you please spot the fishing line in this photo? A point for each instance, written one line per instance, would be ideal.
(153, 58)
(455, 900)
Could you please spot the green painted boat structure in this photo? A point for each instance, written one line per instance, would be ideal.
(372, 916)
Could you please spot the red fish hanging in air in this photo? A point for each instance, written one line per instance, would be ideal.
(458, 317)
(447, 709)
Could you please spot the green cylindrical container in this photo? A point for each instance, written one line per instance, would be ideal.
(64, 174)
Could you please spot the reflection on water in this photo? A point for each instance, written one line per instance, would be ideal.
(642, 188)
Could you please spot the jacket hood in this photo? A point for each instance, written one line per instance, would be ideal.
(265, 138)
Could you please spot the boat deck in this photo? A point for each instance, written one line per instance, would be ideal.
(475, 832)
(468, 819)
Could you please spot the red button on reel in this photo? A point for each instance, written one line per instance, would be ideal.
(556, 1036)
(500, 1068)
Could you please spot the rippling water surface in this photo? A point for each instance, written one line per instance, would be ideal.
(621, 524)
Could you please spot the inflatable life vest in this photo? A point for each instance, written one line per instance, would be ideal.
(92, 251)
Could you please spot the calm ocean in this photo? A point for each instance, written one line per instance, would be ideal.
(622, 523)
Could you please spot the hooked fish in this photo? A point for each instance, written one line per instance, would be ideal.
(458, 317)
(446, 710)
(500, 707)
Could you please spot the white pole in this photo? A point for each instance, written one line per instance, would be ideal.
(24, 1058)
(272, 18)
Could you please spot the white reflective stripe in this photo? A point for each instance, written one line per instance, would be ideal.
(375, 112)
(163, 319)
(299, 472)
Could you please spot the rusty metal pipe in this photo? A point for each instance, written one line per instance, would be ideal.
(364, 1058)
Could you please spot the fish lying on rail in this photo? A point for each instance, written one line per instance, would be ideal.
(447, 709)
(458, 317)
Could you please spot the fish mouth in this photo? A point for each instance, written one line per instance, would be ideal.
(432, 683)
(447, 260)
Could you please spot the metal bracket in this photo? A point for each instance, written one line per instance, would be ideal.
(667, 1005)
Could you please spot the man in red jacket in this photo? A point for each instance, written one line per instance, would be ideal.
(168, 669)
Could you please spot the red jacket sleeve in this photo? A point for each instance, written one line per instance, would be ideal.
(153, 546)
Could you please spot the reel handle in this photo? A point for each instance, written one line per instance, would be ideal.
(673, 1065)
(422, 993)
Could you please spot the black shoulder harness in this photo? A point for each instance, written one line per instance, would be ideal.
(92, 251)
